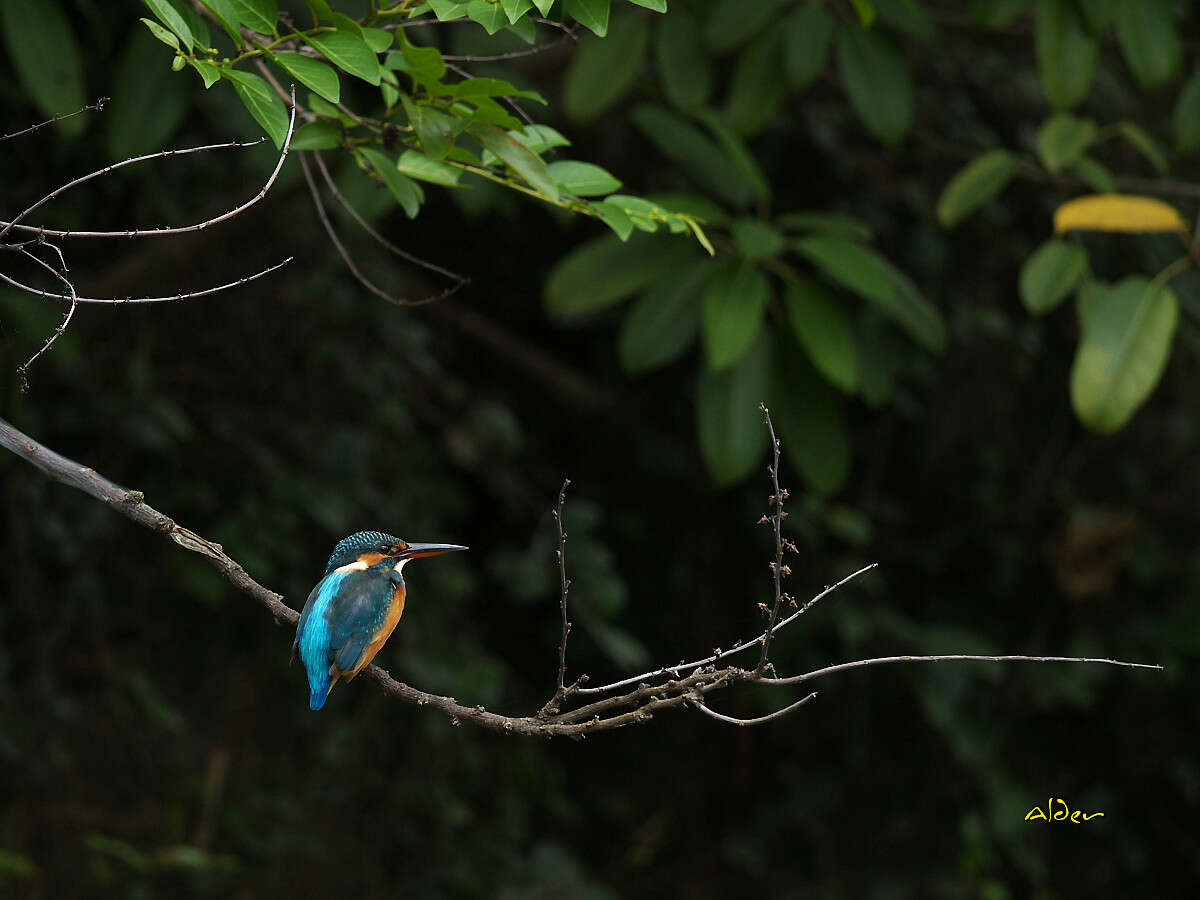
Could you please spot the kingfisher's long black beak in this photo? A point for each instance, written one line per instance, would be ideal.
(416, 551)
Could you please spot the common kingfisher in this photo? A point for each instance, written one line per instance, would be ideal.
(352, 611)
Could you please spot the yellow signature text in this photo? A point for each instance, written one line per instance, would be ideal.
(1057, 810)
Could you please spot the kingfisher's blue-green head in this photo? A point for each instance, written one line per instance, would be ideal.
(374, 547)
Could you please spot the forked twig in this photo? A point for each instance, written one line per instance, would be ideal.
(98, 106)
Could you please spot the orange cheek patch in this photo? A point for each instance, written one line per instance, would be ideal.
(371, 559)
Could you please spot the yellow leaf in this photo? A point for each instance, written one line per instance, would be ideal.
(1117, 212)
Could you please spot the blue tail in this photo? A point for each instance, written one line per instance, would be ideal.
(319, 694)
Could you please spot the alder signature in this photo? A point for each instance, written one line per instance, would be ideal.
(1057, 810)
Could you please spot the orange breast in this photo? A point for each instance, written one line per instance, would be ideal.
(395, 610)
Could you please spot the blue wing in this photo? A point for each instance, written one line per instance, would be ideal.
(340, 617)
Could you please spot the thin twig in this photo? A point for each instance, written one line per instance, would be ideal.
(98, 106)
(561, 691)
(189, 295)
(23, 369)
(730, 720)
(158, 232)
(883, 660)
(776, 518)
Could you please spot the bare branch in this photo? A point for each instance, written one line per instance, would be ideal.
(188, 295)
(730, 720)
(156, 232)
(23, 369)
(562, 690)
(776, 518)
(884, 660)
(98, 106)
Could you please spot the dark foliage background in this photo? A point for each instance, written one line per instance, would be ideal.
(154, 741)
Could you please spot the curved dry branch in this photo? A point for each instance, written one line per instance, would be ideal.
(98, 106)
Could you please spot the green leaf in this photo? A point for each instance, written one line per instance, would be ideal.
(377, 39)
(994, 14)
(209, 73)
(489, 87)
(865, 10)
(1062, 139)
(806, 34)
(257, 15)
(735, 302)
(312, 74)
(1050, 274)
(834, 224)
(662, 323)
(909, 17)
(348, 52)
(737, 151)
(44, 52)
(418, 165)
(615, 217)
(225, 14)
(602, 71)
(515, 9)
(406, 191)
(605, 271)
(145, 112)
(518, 157)
(731, 23)
(1150, 41)
(258, 98)
(1096, 14)
(489, 15)
(1066, 53)
(168, 15)
(658, 6)
(979, 181)
(878, 81)
(728, 421)
(1094, 174)
(757, 88)
(582, 179)
(162, 34)
(757, 239)
(1140, 140)
(591, 14)
(524, 29)
(449, 9)
(539, 138)
(319, 135)
(684, 143)
(1123, 350)
(1185, 120)
(872, 277)
(824, 330)
(684, 67)
(809, 422)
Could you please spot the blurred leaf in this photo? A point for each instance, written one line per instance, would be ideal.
(731, 23)
(1123, 350)
(601, 72)
(518, 157)
(1066, 53)
(728, 421)
(153, 704)
(118, 849)
(605, 271)
(734, 148)
(312, 74)
(823, 329)
(1050, 274)
(687, 145)
(44, 52)
(591, 14)
(1062, 139)
(684, 66)
(582, 179)
(489, 87)
(1097, 14)
(1185, 120)
(878, 81)
(809, 422)
(872, 277)
(757, 87)
(173, 20)
(407, 193)
(261, 102)
(979, 181)
(15, 865)
(145, 112)
(806, 34)
(1117, 212)
(348, 52)
(865, 10)
(1150, 41)
(226, 15)
(435, 130)
(661, 324)
(257, 15)
(996, 13)
(834, 224)
(735, 302)
(1094, 174)
(908, 16)
(755, 238)
(417, 165)
(1141, 141)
